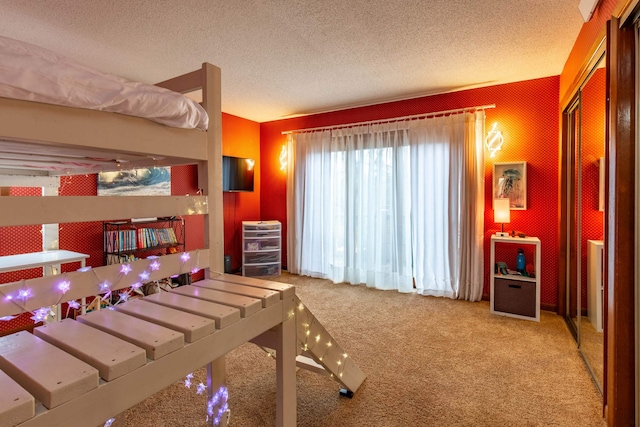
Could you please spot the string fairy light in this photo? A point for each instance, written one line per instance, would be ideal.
(201, 388)
(105, 288)
(219, 400)
(123, 297)
(329, 354)
(64, 286)
(217, 404)
(187, 381)
(73, 304)
(125, 269)
(41, 314)
(23, 294)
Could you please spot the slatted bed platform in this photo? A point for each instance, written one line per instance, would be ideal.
(85, 371)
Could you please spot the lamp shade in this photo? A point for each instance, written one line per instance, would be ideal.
(501, 211)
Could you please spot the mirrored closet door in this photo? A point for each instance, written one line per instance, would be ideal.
(584, 217)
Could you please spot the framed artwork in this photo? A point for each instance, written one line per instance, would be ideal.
(154, 181)
(510, 181)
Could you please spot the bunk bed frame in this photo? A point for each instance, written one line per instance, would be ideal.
(64, 133)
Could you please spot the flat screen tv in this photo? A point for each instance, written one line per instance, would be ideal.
(237, 174)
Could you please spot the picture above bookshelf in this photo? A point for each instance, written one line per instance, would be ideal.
(129, 240)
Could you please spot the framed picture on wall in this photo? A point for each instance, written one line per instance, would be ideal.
(154, 181)
(510, 181)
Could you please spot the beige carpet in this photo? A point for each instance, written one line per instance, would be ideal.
(429, 362)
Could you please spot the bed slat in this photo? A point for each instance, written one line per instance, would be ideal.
(16, 404)
(268, 297)
(222, 314)
(157, 340)
(112, 356)
(246, 305)
(48, 373)
(193, 327)
(283, 288)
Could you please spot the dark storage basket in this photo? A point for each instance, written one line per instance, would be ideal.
(515, 297)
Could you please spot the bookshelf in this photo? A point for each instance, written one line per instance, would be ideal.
(126, 241)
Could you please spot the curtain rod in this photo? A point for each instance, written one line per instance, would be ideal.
(394, 119)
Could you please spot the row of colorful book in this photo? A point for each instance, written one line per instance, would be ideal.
(127, 240)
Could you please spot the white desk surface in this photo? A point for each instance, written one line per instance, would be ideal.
(39, 259)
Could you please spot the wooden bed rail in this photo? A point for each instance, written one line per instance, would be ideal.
(59, 210)
(45, 291)
(185, 83)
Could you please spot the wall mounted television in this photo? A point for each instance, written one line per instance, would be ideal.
(237, 174)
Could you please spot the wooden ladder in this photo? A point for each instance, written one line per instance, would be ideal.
(318, 351)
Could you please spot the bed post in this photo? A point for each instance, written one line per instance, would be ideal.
(210, 174)
(210, 183)
(286, 400)
(208, 79)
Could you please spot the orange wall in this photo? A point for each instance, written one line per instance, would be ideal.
(583, 48)
(240, 138)
(527, 114)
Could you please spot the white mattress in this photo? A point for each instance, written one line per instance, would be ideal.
(32, 73)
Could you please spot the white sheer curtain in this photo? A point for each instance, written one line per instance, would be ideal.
(447, 201)
(388, 204)
(352, 206)
(309, 245)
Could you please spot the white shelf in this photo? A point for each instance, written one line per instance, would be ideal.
(595, 290)
(261, 261)
(514, 296)
(40, 259)
(49, 260)
(515, 277)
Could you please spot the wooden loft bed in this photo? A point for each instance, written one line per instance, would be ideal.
(39, 141)
(80, 141)
(73, 138)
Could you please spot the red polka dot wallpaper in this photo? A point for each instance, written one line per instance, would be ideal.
(20, 240)
(528, 117)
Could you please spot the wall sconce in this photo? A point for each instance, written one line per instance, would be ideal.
(283, 158)
(494, 140)
(501, 214)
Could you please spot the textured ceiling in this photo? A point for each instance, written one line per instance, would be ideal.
(281, 58)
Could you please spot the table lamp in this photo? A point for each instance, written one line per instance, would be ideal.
(501, 214)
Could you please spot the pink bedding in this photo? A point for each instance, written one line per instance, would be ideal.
(32, 73)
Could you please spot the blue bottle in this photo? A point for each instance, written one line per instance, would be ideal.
(521, 262)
